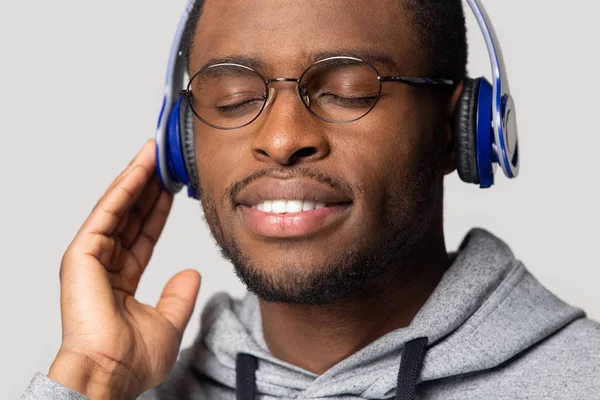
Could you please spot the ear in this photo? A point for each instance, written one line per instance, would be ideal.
(449, 164)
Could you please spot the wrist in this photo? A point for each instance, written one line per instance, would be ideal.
(107, 380)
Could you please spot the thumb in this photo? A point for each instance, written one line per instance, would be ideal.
(179, 297)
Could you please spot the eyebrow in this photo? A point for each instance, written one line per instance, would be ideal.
(252, 62)
(370, 56)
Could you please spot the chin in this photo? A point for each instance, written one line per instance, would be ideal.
(308, 271)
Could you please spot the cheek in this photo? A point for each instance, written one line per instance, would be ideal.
(219, 160)
(385, 148)
(217, 170)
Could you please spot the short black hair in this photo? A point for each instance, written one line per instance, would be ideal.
(440, 25)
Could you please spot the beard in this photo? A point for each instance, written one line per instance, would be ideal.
(404, 220)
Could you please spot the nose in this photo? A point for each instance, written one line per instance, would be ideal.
(289, 135)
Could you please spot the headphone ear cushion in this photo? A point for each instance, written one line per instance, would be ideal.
(186, 131)
(465, 132)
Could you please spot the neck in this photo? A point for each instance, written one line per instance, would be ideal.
(316, 337)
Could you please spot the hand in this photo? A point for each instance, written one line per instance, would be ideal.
(112, 345)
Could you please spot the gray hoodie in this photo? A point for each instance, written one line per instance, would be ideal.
(492, 332)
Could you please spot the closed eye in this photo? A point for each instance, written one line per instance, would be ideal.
(345, 101)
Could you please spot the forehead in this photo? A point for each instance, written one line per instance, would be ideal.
(286, 34)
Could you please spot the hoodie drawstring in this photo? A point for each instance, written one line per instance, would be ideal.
(410, 368)
(245, 376)
(408, 373)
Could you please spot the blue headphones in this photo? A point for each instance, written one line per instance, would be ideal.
(485, 128)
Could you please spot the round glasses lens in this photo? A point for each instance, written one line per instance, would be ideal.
(227, 96)
(340, 89)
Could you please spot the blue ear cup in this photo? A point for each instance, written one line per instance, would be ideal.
(473, 133)
(176, 157)
(174, 153)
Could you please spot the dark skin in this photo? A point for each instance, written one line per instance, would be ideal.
(377, 154)
(394, 159)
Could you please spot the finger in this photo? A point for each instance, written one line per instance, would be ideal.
(149, 196)
(178, 298)
(130, 259)
(106, 216)
(123, 223)
(131, 231)
(113, 251)
(130, 223)
(86, 258)
(153, 226)
(139, 211)
(146, 156)
(145, 159)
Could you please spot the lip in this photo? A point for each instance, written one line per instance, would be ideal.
(291, 225)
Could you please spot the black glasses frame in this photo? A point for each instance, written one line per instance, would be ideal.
(301, 91)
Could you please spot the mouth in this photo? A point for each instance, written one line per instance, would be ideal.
(291, 208)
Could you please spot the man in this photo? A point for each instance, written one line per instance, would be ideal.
(337, 229)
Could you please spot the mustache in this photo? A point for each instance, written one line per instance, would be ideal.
(233, 190)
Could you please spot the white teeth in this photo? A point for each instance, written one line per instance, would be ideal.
(287, 206)
(279, 206)
(308, 205)
(267, 206)
(294, 206)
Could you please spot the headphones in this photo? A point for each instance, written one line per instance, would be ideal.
(484, 123)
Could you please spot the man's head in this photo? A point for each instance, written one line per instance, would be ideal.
(380, 176)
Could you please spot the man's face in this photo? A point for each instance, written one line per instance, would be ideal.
(380, 176)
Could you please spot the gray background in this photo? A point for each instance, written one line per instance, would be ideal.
(81, 85)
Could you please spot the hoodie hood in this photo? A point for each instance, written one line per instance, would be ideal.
(486, 310)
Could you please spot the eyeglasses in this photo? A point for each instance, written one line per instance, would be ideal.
(336, 89)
